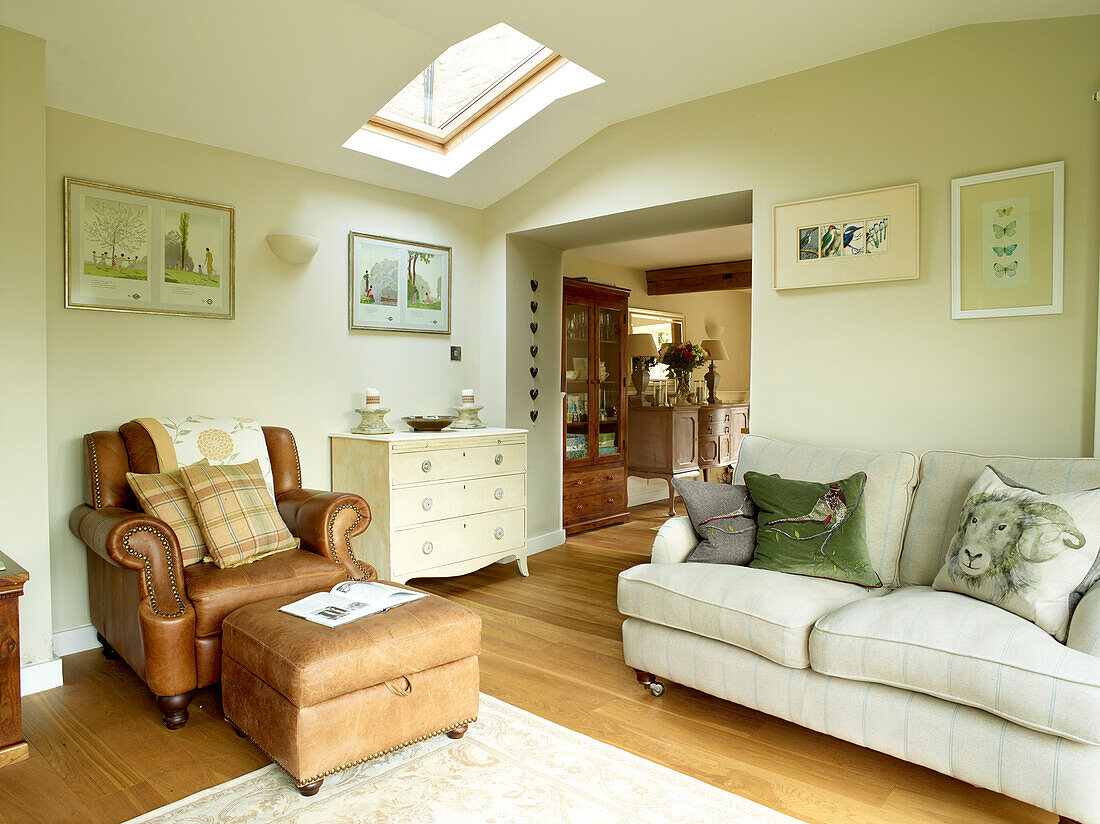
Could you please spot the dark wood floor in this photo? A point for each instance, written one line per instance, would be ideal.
(552, 646)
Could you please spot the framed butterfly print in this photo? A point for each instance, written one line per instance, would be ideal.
(1006, 242)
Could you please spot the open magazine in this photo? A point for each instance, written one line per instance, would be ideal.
(350, 601)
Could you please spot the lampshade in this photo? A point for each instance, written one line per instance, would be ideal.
(641, 345)
(716, 350)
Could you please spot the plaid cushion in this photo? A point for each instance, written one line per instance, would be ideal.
(236, 513)
(164, 497)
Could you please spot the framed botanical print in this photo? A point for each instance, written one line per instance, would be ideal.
(1006, 242)
(398, 285)
(128, 250)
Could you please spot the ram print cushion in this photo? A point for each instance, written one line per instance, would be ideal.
(724, 518)
(162, 495)
(814, 529)
(1032, 554)
(238, 517)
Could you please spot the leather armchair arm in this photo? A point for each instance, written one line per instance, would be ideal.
(139, 542)
(325, 523)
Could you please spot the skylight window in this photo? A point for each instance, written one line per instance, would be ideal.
(468, 99)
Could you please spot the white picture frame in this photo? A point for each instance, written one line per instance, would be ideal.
(967, 195)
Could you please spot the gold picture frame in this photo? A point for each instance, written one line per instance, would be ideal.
(120, 257)
(862, 237)
(398, 285)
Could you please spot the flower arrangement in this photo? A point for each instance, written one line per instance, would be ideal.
(682, 357)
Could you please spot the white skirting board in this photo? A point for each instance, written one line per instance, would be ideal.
(39, 677)
(548, 540)
(77, 639)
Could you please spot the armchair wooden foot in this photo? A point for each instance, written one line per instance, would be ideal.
(108, 651)
(173, 709)
(457, 732)
(311, 788)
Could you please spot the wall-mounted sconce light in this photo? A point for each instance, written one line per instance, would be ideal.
(293, 248)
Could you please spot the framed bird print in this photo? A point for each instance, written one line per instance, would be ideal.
(862, 237)
(1007, 242)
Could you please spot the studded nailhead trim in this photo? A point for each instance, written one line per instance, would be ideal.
(297, 460)
(302, 782)
(98, 497)
(147, 574)
(369, 576)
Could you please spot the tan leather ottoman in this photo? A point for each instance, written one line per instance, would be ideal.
(318, 699)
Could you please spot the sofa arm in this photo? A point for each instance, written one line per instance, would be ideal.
(674, 542)
(325, 523)
(1084, 627)
(138, 542)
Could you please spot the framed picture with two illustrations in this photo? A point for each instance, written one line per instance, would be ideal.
(1007, 242)
(128, 250)
(398, 285)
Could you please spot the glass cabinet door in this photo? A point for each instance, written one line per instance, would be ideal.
(609, 382)
(578, 347)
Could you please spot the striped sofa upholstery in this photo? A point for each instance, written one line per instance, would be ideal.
(936, 678)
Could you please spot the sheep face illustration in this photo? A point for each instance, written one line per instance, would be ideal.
(1001, 539)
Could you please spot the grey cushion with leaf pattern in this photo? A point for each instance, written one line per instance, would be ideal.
(724, 518)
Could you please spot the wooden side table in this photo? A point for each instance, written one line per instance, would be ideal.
(12, 746)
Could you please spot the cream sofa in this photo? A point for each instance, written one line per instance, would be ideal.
(935, 678)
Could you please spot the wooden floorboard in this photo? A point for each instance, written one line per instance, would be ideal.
(551, 645)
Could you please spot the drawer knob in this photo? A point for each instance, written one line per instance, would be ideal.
(426, 466)
(499, 459)
(426, 503)
(498, 493)
(609, 477)
(427, 548)
(498, 533)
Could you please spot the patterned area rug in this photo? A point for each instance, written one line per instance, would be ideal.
(510, 768)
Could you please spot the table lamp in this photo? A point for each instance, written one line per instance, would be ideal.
(640, 345)
(717, 351)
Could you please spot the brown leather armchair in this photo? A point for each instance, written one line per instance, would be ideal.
(164, 619)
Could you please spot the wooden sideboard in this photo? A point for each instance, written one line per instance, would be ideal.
(12, 746)
(442, 503)
(670, 442)
(664, 443)
(721, 427)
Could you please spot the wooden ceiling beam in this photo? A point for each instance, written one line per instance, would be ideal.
(708, 277)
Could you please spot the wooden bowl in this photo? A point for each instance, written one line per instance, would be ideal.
(429, 423)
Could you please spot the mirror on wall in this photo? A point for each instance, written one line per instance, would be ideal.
(665, 327)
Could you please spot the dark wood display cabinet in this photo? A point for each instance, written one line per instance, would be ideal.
(593, 378)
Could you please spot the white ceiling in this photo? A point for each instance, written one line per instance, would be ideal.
(291, 80)
(686, 249)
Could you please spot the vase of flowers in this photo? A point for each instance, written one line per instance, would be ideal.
(682, 359)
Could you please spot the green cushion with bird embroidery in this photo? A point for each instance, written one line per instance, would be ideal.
(813, 529)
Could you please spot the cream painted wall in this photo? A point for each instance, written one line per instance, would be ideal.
(728, 309)
(878, 366)
(23, 485)
(288, 357)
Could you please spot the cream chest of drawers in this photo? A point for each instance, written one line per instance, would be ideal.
(443, 503)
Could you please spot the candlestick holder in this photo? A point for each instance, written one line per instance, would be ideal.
(373, 422)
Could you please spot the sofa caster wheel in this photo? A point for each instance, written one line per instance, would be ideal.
(457, 732)
(311, 788)
(108, 651)
(650, 682)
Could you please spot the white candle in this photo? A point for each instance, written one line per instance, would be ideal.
(374, 399)
(467, 397)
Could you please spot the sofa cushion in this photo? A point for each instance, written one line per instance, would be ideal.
(769, 613)
(813, 529)
(216, 592)
(162, 495)
(724, 519)
(890, 479)
(945, 480)
(967, 651)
